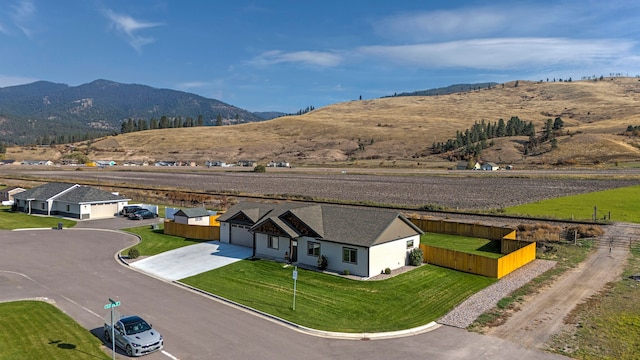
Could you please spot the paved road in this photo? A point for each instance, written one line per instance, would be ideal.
(76, 269)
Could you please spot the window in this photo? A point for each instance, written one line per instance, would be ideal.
(409, 244)
(313, 248)
(68, 207)
(42, 206)
(273, 242)
(349, 255)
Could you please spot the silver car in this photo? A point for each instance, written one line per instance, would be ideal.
(134, 335)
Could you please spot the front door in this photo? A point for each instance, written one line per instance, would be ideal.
(294, 250)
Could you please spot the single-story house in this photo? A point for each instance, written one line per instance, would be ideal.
(37, 162)
(363, 241)
(192, 216)
(6, 194)
(9, 162)
(490, 166)
(74, 201)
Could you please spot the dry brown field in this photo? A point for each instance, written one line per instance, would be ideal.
(398, 131)
(462, 190)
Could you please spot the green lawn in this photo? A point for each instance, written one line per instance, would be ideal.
(155, 241)
(470, 245)
(334, 303)
(38, 330)
(17, 220)
(621, 203)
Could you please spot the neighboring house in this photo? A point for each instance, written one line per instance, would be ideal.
(490, 166)
(74, 201)
(9, 162)
(363, 241)
(6, 194)
(462, 165)
(104, 163)
(278, 164)
(249, 163)
(215, 163)
(37, 162)
(192, 216)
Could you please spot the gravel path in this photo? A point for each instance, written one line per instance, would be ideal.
(466, 313)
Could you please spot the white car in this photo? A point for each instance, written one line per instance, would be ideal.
(134, 335)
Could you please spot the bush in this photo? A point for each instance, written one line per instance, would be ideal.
(346, 272)
(133, 253)
(323, 262)
(387, 271)
(415, 257)
(260, 169)
(585, 231)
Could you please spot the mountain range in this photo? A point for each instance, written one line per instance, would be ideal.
(43, 108)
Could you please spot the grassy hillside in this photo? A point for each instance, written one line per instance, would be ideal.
(400, 130)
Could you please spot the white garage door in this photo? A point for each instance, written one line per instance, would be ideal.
(240, 235)
(102, 211)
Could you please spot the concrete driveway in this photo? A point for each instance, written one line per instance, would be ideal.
(191, 260)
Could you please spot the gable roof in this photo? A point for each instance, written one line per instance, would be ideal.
(193, 212)
(72, 193)
(342, 224)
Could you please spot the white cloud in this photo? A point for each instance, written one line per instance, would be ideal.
(503, 53)
(22, 15)
(129, 27)
(314, 58)
(192, 84)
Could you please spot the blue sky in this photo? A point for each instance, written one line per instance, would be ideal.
(287, 55)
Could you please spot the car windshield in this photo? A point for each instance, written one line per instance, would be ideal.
(136, 327)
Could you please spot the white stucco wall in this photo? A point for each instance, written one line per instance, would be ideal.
(392, 255)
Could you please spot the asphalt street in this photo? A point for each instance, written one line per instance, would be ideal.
(77, 270)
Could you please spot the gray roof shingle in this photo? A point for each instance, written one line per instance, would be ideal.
(193, 212)
(69, 193)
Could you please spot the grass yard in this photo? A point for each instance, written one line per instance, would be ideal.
(470, 245)
(17, 220)
(154, 242)
(38, 330)
(607, 326)
(334, 303)
(621, 203)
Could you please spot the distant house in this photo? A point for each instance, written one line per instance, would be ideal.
(135, 163)
(6, 194)
(9, 162)
(278, 164)
(74, 201)
(363, 241)
(165, 163)
(462, 165)
(103, 163)
(215, 163)
(248, 163)
(490, 166)
(192, 216)
(37, 162)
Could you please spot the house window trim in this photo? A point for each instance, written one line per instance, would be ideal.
(273, 242)
(351, 250)
(312, 250)
(410, 244)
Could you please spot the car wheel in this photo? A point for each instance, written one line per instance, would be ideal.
(107, 336)
(129, 350)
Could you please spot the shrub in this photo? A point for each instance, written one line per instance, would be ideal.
(415, 257)
(260, 169)
(387, 271)
(586, 231)
(346, 272)
(323, 262)
(133, 253)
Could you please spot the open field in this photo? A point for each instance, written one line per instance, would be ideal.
(38, 330)
(455, 190)
(334, 303)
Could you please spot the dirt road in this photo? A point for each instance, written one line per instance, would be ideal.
(542, 315)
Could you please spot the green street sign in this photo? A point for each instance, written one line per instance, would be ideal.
(113, 304)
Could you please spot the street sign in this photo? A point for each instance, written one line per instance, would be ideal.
(113, 304)
(295, 274)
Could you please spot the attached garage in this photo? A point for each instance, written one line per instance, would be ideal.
(240, 235)
(103, 210)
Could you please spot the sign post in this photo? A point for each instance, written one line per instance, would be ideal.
(112, 304)
(295, 280)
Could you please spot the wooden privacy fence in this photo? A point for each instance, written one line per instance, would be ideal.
(463, 229)
(192, 231)
(516, 253)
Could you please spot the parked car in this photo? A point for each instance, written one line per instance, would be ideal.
(143, 214)
(134, 335)
(130, 209)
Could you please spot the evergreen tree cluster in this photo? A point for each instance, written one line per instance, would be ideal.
(471, 142)
(305, 110)
(132, 125)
